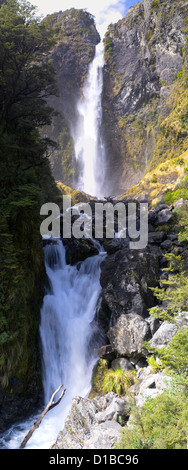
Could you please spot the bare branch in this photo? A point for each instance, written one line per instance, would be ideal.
(49, 407)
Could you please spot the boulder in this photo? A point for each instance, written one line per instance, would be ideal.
(148, 393)
(164, 217)
(162, 207)
(92, 423)
(150, 385)
(180, 203)
(147, 379)
(126, 278)
(166, 245)
(127, 336)
(156, 237)
(163, 335)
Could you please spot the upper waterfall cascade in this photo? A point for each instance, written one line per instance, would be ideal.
(88, 142)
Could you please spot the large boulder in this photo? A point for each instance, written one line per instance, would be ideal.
(126, 278)
(92, 423)
(127, 336)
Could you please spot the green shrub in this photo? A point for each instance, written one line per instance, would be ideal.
(154, 4)
(160, 424)
(117, 381)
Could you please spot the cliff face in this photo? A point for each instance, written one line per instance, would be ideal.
(144, 54)
(75, 49)
(145, 89)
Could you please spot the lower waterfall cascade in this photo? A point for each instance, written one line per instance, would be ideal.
(66, 330)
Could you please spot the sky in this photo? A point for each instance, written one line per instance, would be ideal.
(105, 11)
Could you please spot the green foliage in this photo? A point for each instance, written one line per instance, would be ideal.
(182, 216)
(107, 380)
(97, 382)
(181, 191)
(154, 5)
(155, 365)
(27, 78)
(109, 46)
(175, 356)
(117, 381)
(160, 424)
(154, 179)
(175, 292)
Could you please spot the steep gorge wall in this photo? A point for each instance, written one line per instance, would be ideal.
(144, 55)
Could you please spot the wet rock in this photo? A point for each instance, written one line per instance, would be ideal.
(163, 263)
(111, 246)
(162, 207)
(79, 250)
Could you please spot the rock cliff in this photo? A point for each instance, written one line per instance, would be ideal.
(144, 54)
(145, 89)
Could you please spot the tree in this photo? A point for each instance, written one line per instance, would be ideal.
(27, 79)
(26, 74)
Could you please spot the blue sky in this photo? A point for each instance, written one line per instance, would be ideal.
(105, 11)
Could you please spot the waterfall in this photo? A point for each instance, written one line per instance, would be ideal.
(69, 335)
(66, 323)
(88, 143)
(69, 340)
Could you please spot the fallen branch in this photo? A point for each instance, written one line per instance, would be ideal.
(49, 407)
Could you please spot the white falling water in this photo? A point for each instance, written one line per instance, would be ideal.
(89, 148)
(66, 330)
